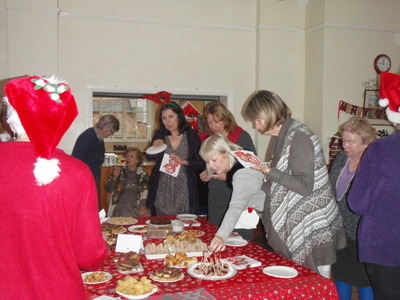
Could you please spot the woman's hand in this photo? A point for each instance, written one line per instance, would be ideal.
(116, 172)
(204, 176)
(221, 176)
(158, 143)
(144, 212)
(177, 158)
(263, 168)
(217, 244)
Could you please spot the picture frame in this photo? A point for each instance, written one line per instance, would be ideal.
(371, 100)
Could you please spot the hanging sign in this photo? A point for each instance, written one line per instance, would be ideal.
(360, 111)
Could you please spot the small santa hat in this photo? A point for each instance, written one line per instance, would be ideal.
(390, 96)
(46, 108)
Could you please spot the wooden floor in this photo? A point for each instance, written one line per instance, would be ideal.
(258, 238)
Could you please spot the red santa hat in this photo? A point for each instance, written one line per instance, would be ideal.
(390, 96)
(45, 107)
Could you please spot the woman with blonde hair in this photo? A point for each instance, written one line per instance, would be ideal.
(301, 217)
(356, 133)
(246, 184)
(219, 120)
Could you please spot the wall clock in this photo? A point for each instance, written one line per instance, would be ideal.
(382, 63)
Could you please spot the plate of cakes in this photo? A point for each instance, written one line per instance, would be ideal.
(122, 221)
(167, 274)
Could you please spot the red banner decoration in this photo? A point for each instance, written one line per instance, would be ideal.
(360, 111)
(157, 98)
(191, 115)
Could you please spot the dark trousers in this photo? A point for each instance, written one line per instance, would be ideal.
(385, 281)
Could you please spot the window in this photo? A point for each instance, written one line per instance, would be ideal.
(133, 113)
(137, 116)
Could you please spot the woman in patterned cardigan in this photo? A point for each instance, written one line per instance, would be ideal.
(301, 216)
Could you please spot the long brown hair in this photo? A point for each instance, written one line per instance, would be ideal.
(219, 112)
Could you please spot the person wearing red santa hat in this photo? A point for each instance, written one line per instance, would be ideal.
(375, 196)
(49, 217)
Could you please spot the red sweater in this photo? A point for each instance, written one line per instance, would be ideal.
(50, 232)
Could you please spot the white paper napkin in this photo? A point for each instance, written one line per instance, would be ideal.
(129, 242)
(246, 158)
(167, 168)
(248, 220)
(102, 216)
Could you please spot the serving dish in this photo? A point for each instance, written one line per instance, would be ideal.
(231, 273)
(84, 275)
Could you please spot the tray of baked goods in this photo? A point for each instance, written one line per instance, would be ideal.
(161, 250)
(112, 229)
(179, 260)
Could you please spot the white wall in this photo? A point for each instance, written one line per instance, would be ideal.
(344, 37)
(312, 56)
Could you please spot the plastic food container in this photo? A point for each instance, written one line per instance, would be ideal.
(158, 232)
(177, 226)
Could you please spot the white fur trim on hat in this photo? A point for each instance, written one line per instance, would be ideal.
(46, 170)
(384, 102)
(393, 116)
(13, 119)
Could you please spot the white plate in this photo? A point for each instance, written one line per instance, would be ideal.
(235, 242)
(186, 217)
(109, 276)
(241, 262)
(132, 228)
(163, 255)
(134, 297)
(155, 150)
(281, 271)
(232, 272)
(117, 221)
(199, 232)
(123, 230)
(138, 269)
(165, 281)
(187, 223)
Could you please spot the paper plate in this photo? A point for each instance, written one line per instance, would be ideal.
(232, 272)
(281, 271)
(122, 221)
(108, 277)
(135, 228)
(156, 150)
(134, 297)
(235, 242)
(165, 281)
(186, 217)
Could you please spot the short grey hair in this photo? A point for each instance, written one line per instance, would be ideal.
(109, 122)
(218, 144)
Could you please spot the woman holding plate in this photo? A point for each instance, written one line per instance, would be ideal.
(246, 184)
(301, 217)
(173, 186)
(219, 120)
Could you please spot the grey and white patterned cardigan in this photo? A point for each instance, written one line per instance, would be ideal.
(302, 217)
